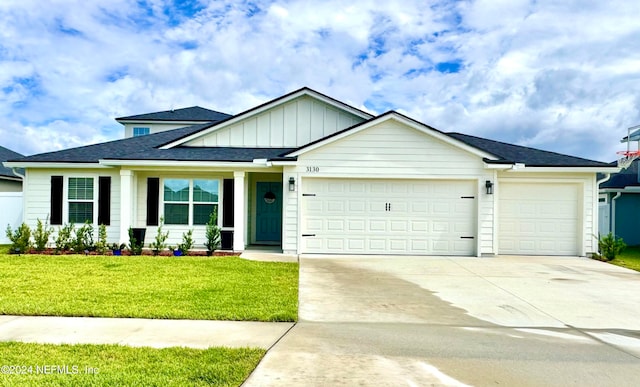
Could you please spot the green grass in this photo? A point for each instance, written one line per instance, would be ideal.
(113, 365)
(629, 258)
(220, 288)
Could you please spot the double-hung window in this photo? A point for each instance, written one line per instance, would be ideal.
(80, 196)
(190, 202)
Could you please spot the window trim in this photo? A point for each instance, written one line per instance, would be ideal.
(66, 201)
(146, 129)
(191, 203)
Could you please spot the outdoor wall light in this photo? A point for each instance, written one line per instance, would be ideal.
(292, 184)
(489, 186)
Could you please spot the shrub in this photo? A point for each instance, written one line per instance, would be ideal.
(41, 235)
(187, 242)
(101, 245)
(83, 240)
(610, 246)
(135, 246)
(63, 240)
(213, 233)
(20, 238)
(160, 243)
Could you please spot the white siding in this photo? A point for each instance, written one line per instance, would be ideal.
(292, 124)
(391, 150)
(37, 196)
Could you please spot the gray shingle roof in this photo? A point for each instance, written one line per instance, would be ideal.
(193, 113)
(5, 155)
(625, 178)
(509, 153)
(147, 148)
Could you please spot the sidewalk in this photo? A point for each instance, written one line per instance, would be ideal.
(141, 332)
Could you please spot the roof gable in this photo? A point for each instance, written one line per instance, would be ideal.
(294, 115)
(189, 114)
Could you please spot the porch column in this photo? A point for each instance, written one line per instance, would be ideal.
(126, 203)
(238, 211)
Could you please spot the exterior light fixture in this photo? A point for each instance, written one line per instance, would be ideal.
(489, 186)
(292, 184)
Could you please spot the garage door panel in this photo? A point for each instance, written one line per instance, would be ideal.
(394, 217)
(539, 219)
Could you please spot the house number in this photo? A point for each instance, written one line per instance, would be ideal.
(313, 169)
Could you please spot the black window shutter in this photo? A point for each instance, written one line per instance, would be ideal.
(153, 200)
(104, 200)
(227, 204)
(57, 185)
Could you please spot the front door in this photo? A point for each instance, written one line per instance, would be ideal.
(269, 212)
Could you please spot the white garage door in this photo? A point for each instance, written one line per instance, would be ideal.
(388, 217)
(539, 219)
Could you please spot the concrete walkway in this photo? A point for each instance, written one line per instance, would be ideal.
(141, 332)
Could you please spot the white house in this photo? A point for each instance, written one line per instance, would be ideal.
(312, 174)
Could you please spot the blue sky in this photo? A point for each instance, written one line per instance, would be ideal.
(562, 76)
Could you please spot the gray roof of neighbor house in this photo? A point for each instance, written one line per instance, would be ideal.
(7, 154)
(531, 157)
(193, 113)
(625, 178)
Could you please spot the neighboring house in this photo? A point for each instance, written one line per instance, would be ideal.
(620, 205)
(10, 194)
(311, 174)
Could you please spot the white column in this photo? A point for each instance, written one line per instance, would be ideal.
(238, 211)
(126, 204)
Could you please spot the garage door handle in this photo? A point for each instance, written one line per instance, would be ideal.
(308, 194)
(466, 237)
(308, 235)
(467, 197)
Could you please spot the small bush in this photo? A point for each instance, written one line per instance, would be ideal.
(101, 245)
(41, 235)
(187, 242)
(63, 240)
(20, 238)
(213, 233)
(135, 246)
(610, 246)
(160, 243)
(83, 240)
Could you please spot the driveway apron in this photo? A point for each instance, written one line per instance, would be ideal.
(416, 321)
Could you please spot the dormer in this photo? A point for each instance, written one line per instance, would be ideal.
(143, 124)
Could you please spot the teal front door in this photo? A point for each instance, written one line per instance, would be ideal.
(269, 212)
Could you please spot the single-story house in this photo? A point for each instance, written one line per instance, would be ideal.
(312, 174)
(620, 205)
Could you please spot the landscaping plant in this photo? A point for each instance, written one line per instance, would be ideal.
(41, 235)
(610, 246)
(63, 240)
(101, 245)
(187, 242)
(160, 242)
(212, 233)
(20, 238)
(83, 240)
(135, 246)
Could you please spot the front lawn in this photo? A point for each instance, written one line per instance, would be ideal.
(112, 365)
(629, 258)
(220, 288)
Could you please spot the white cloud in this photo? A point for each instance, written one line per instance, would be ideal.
(558, 75)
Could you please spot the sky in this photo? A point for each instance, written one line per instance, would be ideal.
(556, 75)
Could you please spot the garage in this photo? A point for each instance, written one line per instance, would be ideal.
(539, 218)
(361, 216)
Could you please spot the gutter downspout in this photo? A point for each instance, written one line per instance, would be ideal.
(596, 210)
(15, 172)
(613, 210)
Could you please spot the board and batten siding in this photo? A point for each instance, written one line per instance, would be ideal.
(588, 208)
(391, 150)
(37, 197)
(292, 124)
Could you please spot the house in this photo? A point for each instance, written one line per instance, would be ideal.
(10, 194)
(311, 174)
(620, 205)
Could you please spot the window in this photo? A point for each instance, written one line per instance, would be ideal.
(190, 202)
(140, 131)
(80, 195)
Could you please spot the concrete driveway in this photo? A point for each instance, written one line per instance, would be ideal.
(416, 321)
